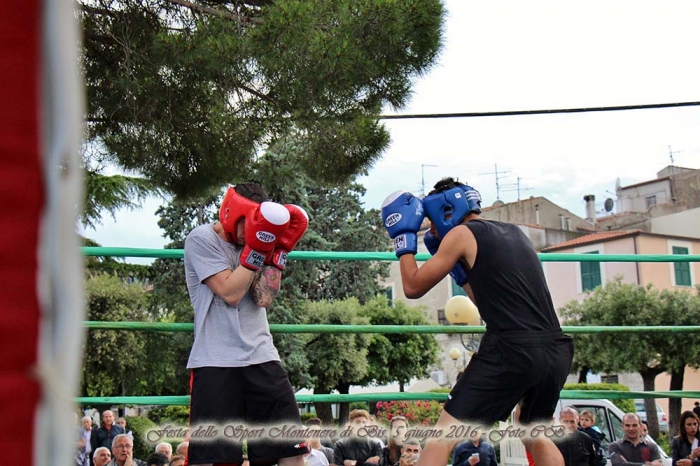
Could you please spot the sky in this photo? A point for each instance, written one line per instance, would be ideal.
(510, 55)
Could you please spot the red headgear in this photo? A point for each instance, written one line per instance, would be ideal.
(234, 208)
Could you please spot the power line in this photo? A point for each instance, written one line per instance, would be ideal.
(538, 112)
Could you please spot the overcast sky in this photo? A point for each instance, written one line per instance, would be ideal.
(501, 56)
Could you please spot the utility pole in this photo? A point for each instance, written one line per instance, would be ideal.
(498, 178)
(422, 177)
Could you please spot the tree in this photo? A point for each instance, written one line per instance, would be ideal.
(108, 194)
(114, 360)
(683, 308)
(647, 353)
(187, 93)
(398, 357)
(338, 222)
(336, 361)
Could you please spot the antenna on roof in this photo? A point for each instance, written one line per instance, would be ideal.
(498, 178)
(609, 204)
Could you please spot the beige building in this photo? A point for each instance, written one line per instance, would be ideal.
(672, 198)
(573, 280)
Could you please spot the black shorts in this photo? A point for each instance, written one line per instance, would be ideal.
(252, 396)
(508, 368)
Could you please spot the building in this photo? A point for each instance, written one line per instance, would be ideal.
(573, 280)
(673, 195)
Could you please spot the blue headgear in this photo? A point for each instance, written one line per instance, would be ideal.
(447, 209)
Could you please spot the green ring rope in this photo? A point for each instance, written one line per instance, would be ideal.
(374, 397)
(327, 328)
(390, 256)
(386, 256)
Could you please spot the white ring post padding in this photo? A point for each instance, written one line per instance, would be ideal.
(60, 273)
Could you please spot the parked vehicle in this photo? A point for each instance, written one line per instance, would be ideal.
(608, 418)
(660, 415)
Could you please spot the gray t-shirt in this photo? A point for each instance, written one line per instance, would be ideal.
(224, 335)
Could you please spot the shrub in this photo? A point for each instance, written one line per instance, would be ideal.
(627, 406)
(140, 425)
(170, 414)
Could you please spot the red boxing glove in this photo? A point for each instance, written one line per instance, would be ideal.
(298, 222)
(263, 227)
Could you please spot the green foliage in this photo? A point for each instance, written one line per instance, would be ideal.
(306, 416)
(114, 360)
(616, 303)
(664, 442)
(424, 413)
(161, 415)
(95, 265)
(359, 405)
(140, 425)
(627, 406)
(398, 357)
(108, 194)
(649, 353)
(188, 96)
(336, 359)
(338, 222)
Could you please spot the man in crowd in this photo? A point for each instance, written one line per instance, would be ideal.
(102, 456)
(122, 422)
(165, 448)
(182, 449)
(632, 449)
(410, 453)
(123, 452)
(357, 449)
(576, 447)
(475, 450)
(85, 434)
(104, 435)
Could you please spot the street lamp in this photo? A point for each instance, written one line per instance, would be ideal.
(460, 310)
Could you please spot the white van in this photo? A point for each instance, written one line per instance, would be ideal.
(608, 418)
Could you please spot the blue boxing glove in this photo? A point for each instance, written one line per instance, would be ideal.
(403, 214)
(458, 272)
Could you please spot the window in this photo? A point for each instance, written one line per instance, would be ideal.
(442, 320)
(590, 274)
(609, 378)
(681, 269)
(389, 292)
(457, 290)
(651, 201)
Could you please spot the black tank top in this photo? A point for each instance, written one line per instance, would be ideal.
(508, 281)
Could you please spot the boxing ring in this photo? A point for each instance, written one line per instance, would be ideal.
(387, 329)
(42, 100)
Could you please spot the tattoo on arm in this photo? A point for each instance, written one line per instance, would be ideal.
(266, 285)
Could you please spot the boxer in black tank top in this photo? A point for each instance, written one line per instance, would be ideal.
(524, 358)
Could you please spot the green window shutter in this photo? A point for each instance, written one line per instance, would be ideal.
(389, 291)
(682, 269)
(590, 274)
